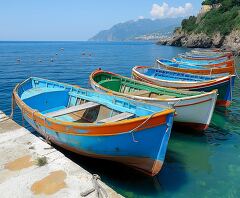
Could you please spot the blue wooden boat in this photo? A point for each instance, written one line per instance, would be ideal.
(172, 63)
(218, 56)
(209, 53)
(96, 124)
(194, 82)
(194, 69)
(200, 62)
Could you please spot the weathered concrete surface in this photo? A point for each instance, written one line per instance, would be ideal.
(20, 176)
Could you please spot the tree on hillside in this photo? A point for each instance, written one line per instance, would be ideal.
(225, 3)
(210, 2)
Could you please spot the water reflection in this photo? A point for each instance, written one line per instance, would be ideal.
(196, 165)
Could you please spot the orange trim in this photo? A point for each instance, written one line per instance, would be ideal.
(206, 84)
(216, 70)
(113, 128)
(223, 103)
(228, 63)
(215, 58)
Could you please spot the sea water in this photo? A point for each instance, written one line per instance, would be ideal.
(196, 165)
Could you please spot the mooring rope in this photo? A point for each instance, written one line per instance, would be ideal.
(174, 104)
(100, 191)
(140, 125)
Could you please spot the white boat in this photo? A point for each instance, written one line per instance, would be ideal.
(193, 109)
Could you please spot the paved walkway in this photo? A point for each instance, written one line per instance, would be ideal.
(30, 167)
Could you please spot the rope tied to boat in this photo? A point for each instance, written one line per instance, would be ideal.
(140, 125)
(174, 104)
(100, 191)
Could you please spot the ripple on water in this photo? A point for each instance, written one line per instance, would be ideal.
(194, 166)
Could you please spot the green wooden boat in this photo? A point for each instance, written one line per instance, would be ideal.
(193, 109)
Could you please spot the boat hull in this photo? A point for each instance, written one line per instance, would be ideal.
(140, 142)
(219, 62)
(202, 71)
(142, 153)
(223, 85)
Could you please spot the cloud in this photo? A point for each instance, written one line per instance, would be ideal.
(165, 11)
(141, 17)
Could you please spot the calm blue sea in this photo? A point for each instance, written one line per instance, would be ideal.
(195, 166)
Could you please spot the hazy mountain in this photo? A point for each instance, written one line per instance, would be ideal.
(131, 29)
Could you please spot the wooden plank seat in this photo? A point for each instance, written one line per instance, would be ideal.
(140, 93)
(117, 117)
(72, 109)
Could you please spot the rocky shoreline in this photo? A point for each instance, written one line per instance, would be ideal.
(201, 40)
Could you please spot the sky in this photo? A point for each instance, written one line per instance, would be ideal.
(64, 20)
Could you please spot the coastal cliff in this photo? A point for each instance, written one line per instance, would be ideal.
(216, 25)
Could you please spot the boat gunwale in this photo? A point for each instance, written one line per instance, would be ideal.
(31, 113)
(200, 95)
(229, 62)
(189, 83)
(205, 58)
(201, 71)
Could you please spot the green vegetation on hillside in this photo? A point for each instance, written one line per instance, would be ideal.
(221, 19)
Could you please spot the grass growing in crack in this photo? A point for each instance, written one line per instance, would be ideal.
(41, 161)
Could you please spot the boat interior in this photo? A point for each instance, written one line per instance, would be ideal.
(183, 65)
(174, 76)
(179, 65)
(134, 88)
(77, 105)
(200, 62)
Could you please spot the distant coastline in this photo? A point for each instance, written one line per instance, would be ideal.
(139, 30)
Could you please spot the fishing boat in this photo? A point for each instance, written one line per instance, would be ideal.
(96, 124)
(192, 82)
(193, 69)
(211, 53)
(217, 57)
(219, 62)
(209, 64)
(209, 50)
(193, 109)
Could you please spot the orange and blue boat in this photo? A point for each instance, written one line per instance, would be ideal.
(215, 56)
(215, 61)
(96, 124)
(194, 69)
(209, 64)
(207, 53)
(192, 82)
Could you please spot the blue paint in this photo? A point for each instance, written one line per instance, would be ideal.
(191, 162)
(181, 65)
(48, 96)
(200, 62)
(175, 76)
(148, 146)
